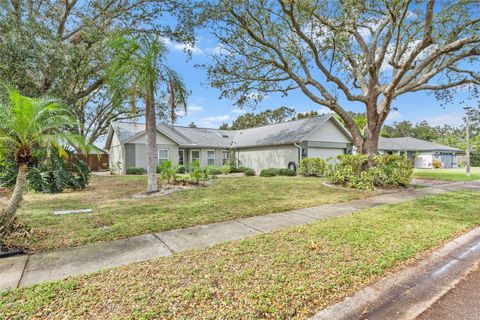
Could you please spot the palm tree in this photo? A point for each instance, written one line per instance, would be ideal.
(140, 65)
(25, 125)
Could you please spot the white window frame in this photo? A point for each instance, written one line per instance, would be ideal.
(158, 155)
(224, 160)
(183, 156)
(208, 164)
(199, 155)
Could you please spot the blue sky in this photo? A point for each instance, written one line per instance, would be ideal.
(207, 110)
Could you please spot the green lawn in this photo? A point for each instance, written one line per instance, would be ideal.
(447, 174)
(116, 215)
(292, 273)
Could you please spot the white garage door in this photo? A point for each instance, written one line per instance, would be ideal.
(324, 153)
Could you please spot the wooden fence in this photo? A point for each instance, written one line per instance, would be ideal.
(96, 162)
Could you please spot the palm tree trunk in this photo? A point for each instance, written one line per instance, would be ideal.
(8, 214)
(151, 142)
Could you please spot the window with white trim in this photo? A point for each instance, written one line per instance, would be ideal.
(162, 155)
(195, 155)
(225, 157)
(210, 157)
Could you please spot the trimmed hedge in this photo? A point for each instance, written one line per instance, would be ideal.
(249, 172)
(286, 172)
(367, 172)
(313, 167)
(234, 169)
(272, 172)
(135, 171)
(268, 173)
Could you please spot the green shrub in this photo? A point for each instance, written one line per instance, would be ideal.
(437, 164)
(286, 172)
(225, 169)
(135, 171)
(213, 171)
(195, 171)
(180, 169)
(249, 172)
(268, 172)
(234, 169)
(366, 172)
(475, 160)
(167, 171)
(312, 167)
(53, 177)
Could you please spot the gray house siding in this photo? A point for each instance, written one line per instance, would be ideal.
(328, 132)
(130, 156)
(260, 158)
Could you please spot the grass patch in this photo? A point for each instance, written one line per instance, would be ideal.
(287, 274)
(457, 174)
(116, 216)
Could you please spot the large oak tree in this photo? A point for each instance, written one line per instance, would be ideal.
(61, 48)
(362, 52)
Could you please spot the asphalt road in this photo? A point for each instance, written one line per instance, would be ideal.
(460, 303)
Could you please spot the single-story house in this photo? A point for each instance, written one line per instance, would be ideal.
(272, 146)
(421, 152)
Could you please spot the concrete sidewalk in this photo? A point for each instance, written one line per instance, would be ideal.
(31, 269)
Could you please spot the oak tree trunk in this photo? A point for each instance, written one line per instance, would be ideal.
(7, 214)
(151, 128)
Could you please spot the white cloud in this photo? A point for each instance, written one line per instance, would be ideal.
(324, 110)
(191, 109)
(175, 46)
(394, 116)
(239, 111)
(194, 108)
(452, 119)
(219, 49)
(213, 121)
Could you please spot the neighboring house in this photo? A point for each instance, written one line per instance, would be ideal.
(273, 146)
(420, 151)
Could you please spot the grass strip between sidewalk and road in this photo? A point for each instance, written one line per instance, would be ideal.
(291, 273)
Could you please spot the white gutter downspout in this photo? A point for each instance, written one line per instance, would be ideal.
(299, 153)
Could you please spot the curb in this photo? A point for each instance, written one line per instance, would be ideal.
(408, 293)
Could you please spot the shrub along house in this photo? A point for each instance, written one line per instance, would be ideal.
(273, 146)
(421, 152)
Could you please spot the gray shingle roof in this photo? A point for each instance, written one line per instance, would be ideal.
(411, 144)
(276, 134)
(204, 137)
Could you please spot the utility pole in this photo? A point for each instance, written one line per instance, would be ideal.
(467, 135)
